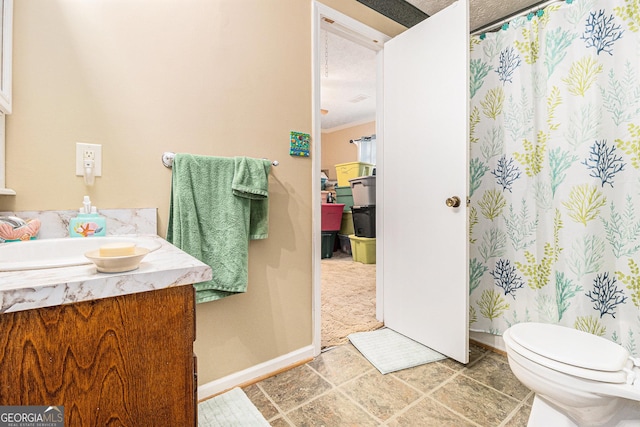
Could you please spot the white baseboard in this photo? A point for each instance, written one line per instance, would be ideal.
(491, 340)
(274, 365)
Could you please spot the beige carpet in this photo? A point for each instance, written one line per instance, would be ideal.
(348, 298)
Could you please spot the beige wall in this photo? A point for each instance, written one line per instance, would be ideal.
(336, 148)
(140, 77)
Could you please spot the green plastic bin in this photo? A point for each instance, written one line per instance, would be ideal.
(345, 195)
(328, 243)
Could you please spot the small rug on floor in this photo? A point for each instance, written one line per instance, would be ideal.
(390, 351)
(232, 408)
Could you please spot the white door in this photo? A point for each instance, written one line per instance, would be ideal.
(425, 122)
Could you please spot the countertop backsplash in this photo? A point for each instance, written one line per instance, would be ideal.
(119, 221)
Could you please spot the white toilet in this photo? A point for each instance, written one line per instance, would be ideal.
(579, 379)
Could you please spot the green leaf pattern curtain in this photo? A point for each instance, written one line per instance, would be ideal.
(554, 171)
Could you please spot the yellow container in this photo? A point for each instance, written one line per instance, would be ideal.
(363, 249)
(347, 171)
(346, 226)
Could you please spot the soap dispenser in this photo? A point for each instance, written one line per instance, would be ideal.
(88, 223)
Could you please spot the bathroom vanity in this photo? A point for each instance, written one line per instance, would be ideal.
(113, 349)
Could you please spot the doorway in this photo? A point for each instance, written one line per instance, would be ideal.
(348, 114)
(344, 30)
(425, 295)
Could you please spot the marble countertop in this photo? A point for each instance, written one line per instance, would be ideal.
(168, 266)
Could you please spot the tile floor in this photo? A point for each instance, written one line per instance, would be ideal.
(341, 388)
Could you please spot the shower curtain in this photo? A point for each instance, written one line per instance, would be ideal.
(554, 187)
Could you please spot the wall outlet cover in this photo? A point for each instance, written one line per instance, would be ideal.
(90, 151)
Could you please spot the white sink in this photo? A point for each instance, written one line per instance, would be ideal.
(63, 252)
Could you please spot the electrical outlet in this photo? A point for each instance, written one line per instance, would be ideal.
(88, 152)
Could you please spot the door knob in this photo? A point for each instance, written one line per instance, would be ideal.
(453, 202)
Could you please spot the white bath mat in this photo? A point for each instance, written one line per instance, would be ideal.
(230, 409)
(390, 351)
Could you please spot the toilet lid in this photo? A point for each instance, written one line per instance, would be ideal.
(581, 351)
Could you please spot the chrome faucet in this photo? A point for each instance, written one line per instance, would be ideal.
(13, 221)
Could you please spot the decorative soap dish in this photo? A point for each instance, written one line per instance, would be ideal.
(13, 229)
(117, 264)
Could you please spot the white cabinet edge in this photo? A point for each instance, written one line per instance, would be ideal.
(6, 79)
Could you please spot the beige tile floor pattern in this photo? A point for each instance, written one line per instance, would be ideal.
(341, 388)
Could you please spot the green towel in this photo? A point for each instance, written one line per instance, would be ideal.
(250, 180)
(212, 220)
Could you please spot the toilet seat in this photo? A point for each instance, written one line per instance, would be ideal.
(570, 351)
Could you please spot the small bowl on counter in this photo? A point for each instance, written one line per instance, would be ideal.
(117, 257)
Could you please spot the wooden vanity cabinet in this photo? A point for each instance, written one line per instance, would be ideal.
(120, 361)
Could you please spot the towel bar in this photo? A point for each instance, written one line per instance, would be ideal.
(167, 159)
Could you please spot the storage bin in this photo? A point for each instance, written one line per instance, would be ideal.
(346, 227)
(364, 221)
(346, 171)
(331, 216)
(328, 243)
(363, 249)
(344, 195)
(363, 190)
(345, 243)
(323, 196)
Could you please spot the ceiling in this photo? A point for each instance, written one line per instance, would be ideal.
(348, 70)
